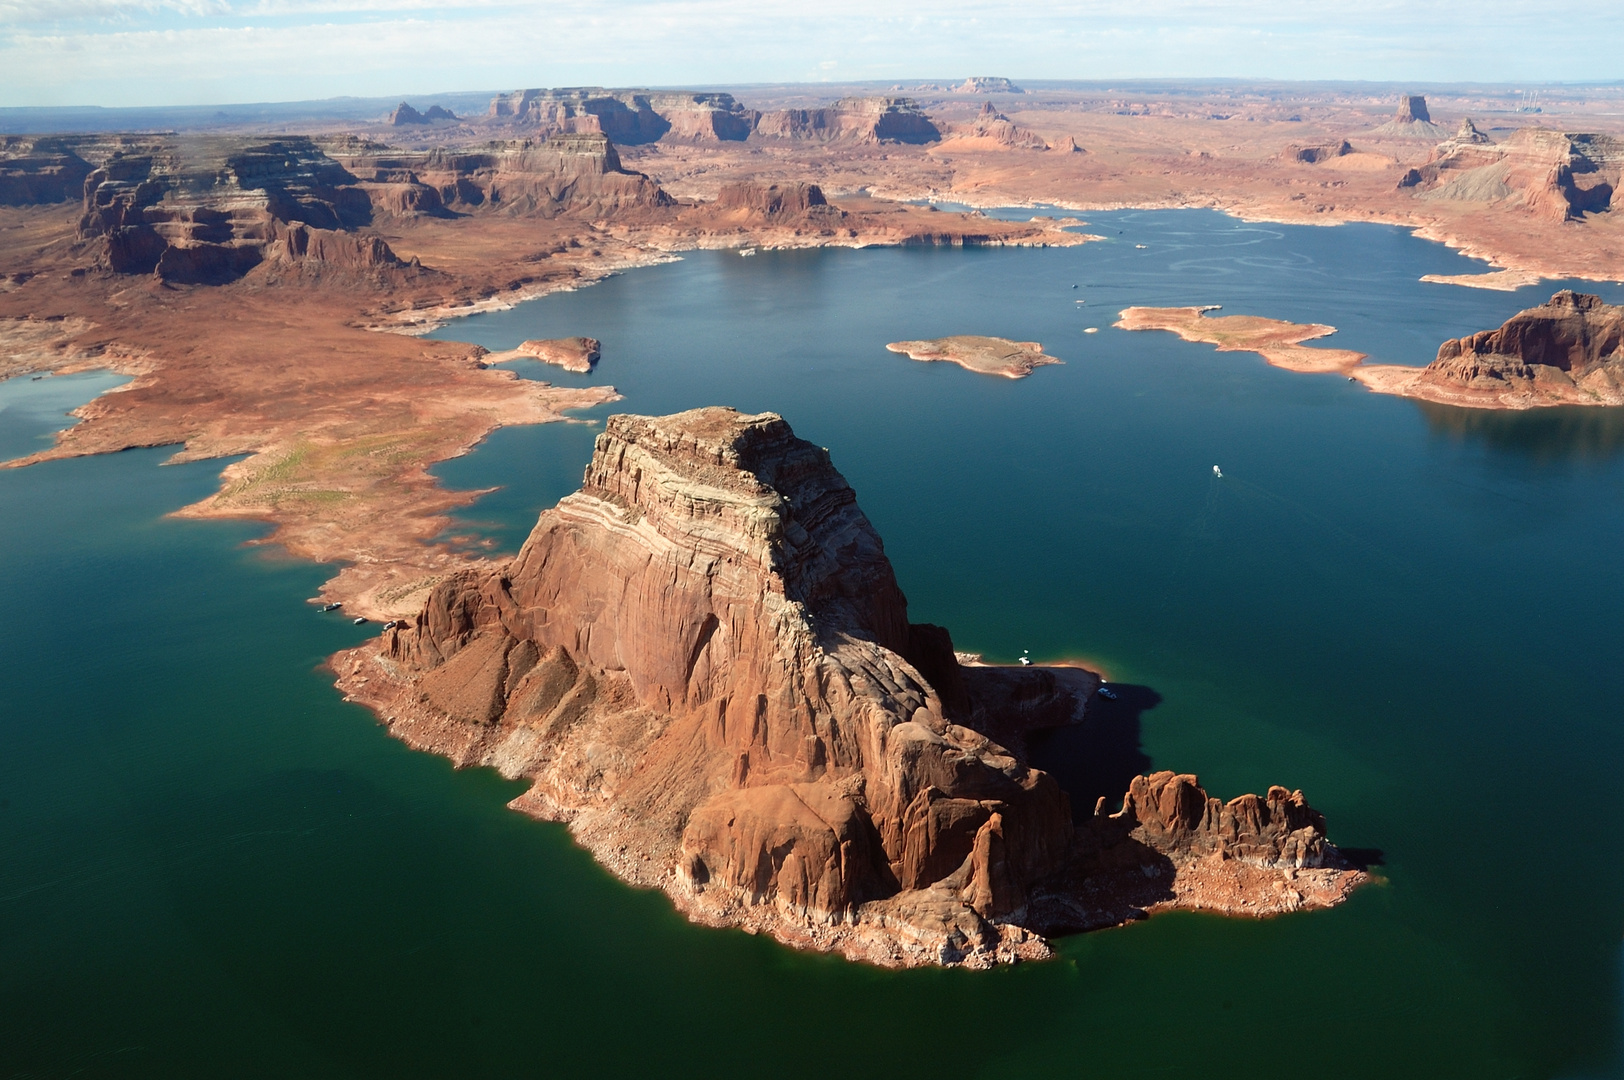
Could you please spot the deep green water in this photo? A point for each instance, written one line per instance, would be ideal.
(212, 866)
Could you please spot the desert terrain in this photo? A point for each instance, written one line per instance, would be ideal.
(263, 286)
(266, 288)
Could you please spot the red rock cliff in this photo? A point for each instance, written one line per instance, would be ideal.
(704, 662)
(1569, 350)
(562, 174)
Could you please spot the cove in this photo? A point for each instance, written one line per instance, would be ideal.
(210, 864)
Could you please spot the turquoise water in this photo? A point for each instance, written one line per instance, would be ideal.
(210, 865)
(34, 408)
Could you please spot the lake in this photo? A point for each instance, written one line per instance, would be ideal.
(211, 865)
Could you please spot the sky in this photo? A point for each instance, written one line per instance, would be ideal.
(196, 52)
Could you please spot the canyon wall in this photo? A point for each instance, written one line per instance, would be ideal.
(209, 209)
(40, 170)
(629, 117)
(569, 173)
(634, 117)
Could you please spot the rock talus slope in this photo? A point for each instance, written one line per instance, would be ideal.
(704, 663)
(1412, 121)
(1557, 175)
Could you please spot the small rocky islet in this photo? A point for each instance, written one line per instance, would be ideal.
(984, 355)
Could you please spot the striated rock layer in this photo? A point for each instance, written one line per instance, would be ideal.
(629, 117)
(855, 119)
(40, 170)
(1567, 351)
(1555, 175)
(704, 663)
(575, 173)
(204, 209)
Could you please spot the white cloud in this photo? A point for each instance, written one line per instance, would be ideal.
(206, 51)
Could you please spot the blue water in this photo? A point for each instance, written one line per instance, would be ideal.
(210, 865)
(33, 409)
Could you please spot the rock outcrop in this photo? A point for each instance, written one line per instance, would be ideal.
(777, 203)
(987, 84)
(990, 130)
(855, 119)
(40, 170)
(703, 662)
(405, 115)
(1552, 174)
(1412, 121)
(209, 209)
(1313, 155)
(1569, 350)
(561, 174)
(636, 117)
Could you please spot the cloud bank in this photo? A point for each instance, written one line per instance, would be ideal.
(164, 52)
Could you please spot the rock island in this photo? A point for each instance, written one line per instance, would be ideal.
(987, 355)
(702, 661)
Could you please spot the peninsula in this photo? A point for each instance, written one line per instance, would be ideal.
(703, 663)
(1280, 343)
(1567, 351)
(577, 354)
(985, 355)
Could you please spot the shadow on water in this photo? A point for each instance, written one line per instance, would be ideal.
(1097, 758)
(1561, 433)
(1364, 858)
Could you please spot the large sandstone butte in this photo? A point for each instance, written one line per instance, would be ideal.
(1412, 121)
(207, 209)
(704, 663)
(635, 117)
(1567, 351)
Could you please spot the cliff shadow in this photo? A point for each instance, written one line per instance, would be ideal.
(1363, 858)
(1557, 433)
(1099, 756)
